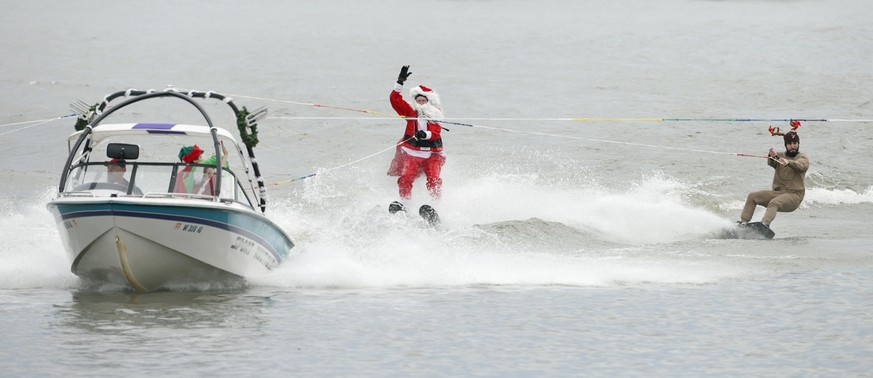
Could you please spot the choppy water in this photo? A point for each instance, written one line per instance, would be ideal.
(568, 248)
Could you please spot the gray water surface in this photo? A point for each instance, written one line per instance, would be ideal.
(568, 247)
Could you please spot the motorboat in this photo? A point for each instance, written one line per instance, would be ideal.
(132, 211)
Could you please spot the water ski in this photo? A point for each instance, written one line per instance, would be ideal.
(395, 207)
(427, 212)
(751, 230)
(429, 215)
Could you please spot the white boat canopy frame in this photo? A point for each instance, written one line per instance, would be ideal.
(91, 133)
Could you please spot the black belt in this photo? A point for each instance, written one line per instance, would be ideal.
(423, 143)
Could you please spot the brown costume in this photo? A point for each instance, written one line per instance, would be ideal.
(788, 188)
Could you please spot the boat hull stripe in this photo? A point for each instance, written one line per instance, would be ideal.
(65, 215)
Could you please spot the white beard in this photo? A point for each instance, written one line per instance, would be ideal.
(428, 110)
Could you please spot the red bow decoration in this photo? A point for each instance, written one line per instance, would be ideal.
(774, 131)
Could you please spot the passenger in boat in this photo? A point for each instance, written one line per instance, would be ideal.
(788, 181)
(186, 179)
(211, 160)
(196, 179)
(421, 149)
(116, 169)
(209, 172)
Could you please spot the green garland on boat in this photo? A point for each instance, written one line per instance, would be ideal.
(251, 140)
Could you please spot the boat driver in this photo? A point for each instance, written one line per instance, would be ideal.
(116, 168)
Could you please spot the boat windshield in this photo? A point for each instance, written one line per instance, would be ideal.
(146, 179)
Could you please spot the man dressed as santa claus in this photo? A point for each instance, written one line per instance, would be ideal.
(422, 147)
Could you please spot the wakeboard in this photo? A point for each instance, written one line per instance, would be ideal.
(751, 230)
(426, 212)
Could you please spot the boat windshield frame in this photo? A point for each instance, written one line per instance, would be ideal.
(97, 182)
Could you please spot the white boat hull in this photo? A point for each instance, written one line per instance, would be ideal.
(149, 244)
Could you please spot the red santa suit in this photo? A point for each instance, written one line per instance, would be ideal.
(415, 156)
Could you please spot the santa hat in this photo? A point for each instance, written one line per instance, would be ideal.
(428, 93)
(189, 154)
